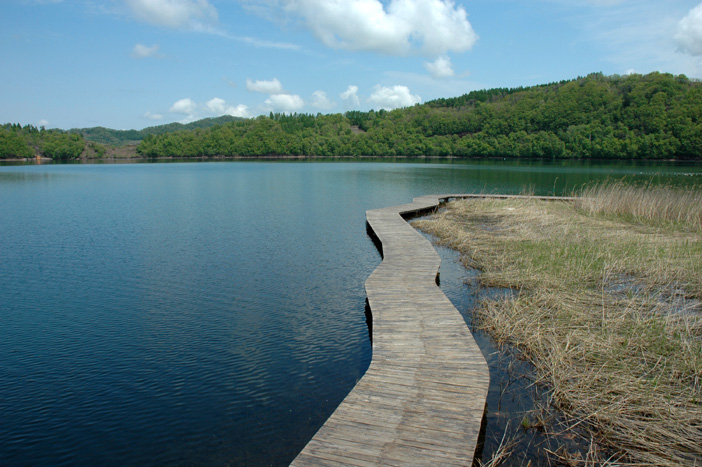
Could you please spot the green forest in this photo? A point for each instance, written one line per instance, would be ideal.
(18, 142)
(121, 137)
(654, 116)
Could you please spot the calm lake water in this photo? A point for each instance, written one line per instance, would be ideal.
(203, 313)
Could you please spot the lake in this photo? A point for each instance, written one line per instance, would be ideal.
(205, 313)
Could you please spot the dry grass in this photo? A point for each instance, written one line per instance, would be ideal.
(681, 206)
(609, 311)
(502, 453)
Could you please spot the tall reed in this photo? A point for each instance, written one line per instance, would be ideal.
(654, 203)
(609, 307)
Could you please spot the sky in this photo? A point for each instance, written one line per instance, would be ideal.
(130, 64)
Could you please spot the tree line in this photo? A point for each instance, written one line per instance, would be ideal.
(112, 137)
(19, 142)
(654, 116)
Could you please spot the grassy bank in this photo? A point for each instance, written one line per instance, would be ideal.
(609, 308)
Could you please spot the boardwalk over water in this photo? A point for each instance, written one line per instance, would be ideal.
(421, 402)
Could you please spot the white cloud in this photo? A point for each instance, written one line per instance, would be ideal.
(143, 51)
(240, 110)
(397, 27)
(194, 14)
(350, 97)
(393, 97)
(184, 106)
(285, 102)
(43, 122)
(214, 107)
(321, 101)
(219, 107)
(266, 87)
(440, 68)
(151, 116)
(689, 34)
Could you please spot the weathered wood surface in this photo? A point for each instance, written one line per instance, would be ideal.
(421, 402)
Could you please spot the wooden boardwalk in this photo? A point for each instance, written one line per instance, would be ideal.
(421, 402)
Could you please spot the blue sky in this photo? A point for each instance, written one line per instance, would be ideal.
(135, 63)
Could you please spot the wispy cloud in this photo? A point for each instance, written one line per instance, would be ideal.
(267, 44)
(189, 14)
(196, 16)
(266, 87)
(144, 51)
(321, 101)
(440, 68)
(637, 34)
(254, 41)
(153, 116)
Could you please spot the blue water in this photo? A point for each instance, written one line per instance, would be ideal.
(202, 313)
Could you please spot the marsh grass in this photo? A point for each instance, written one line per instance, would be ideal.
(608, 310)
(655, 203)
(503, 451)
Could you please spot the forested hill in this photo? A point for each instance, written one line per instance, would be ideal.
(17, 141)
(120, 137)
(656, 116)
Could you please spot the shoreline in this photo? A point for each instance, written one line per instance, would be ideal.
(585, 315)
(137, 158)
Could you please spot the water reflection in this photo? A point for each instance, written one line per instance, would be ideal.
(201, 313)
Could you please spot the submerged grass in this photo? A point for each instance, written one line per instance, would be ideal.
(609, 308)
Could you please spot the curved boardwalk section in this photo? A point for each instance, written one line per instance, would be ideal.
(421, 402)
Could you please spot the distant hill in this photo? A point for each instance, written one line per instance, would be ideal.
(19, 142)
(654, 116)
(112, 137)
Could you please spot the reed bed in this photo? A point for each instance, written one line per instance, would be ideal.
(657, 203)
(608, 309)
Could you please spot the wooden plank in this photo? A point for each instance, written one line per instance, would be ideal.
(421, 402)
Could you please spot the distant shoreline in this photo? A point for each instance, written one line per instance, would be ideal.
(135, 158)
